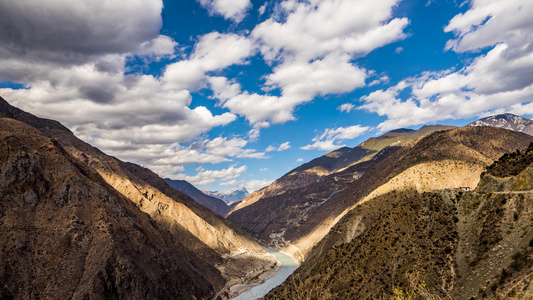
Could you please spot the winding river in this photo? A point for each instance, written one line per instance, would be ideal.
(288, 265)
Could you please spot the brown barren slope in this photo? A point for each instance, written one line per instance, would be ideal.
(336, 162)
(468, 245)
(66, 234)
(216, 240)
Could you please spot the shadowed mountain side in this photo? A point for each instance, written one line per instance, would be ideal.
(271, 217)
(451, 158)
(217, 205)
(336, 161)
(201, 230)
(467, 245)
(66, 234)
(512, 172)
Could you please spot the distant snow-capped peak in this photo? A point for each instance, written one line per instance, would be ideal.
(507, 121)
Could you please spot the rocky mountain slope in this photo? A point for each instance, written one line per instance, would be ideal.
(343, 158)
(65, 233)
(209, 236)
(463, 244)
(230, 197)
(452, 158)
(271, 217)
(336, 162)
(215, 204)
(507, 121)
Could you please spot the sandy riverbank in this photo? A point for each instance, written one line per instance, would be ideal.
(241, 286)
(284, 268)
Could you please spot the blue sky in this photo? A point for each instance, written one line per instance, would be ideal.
(236, 93)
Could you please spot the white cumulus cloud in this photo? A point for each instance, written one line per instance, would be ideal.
(328, 140)
(204, 176)
(498, 81)
(282, 147)
(72, 58)
(229, 9)
(311, 46)
(214, 51)
(346, 107)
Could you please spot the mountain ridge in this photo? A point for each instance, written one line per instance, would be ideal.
(335, 162)
(506, 121)
(447, 243)
(215, 204)
(297, 219)
(219, 243)
(66, 233)
(229, 197)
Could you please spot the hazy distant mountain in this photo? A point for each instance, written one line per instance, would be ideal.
(214, 204)
(229, 197)
(507, 121)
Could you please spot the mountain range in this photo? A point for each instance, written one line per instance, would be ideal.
(77, 223)
(213, 203)
(296, 211)
(229, 197)
(439, 211)
(438, 244)
(507, 121)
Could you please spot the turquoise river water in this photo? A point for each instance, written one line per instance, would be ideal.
(288, 266)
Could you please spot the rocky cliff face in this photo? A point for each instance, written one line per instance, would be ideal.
(206, 232)
(464, 244)
(65, 233)
(209, 236)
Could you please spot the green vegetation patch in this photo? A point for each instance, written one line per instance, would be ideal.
(511, 164)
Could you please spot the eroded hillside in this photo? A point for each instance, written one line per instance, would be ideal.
(216, 241)
(337, 162)
(66, 234)
(299, 218)
(466, 244)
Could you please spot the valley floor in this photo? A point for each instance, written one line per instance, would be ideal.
(259, 282)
